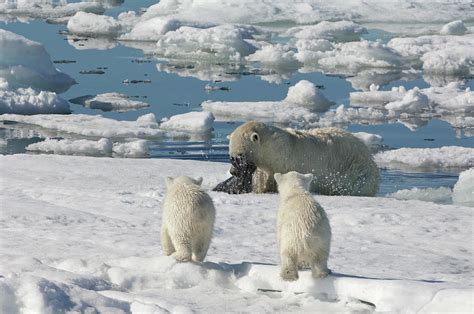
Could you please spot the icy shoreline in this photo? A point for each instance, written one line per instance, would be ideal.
(90, 232)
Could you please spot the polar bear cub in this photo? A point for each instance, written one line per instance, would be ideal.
(188, 219)
(304, 234)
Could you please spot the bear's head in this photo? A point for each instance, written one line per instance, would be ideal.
(182, 180)
(245, 147)
(292, 180)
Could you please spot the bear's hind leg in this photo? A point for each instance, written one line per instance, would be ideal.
(289, 267)
(183, 251)
(166, 244)
(201, 246)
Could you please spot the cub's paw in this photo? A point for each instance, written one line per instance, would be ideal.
(288, 274)
(182, 257)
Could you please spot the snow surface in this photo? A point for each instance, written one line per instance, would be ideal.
(445, 157)
(195, 122)
(102, 147)
(29, 101)
(25, 63)
(302, 102)
(463, 192)
(82, 234)
(90, 24)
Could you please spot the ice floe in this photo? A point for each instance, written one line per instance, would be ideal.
(93, 25)
(110, 102)
(82, 147)
(441, 195)
(302, 103)
(332, 31)
(29, 101)
(453, 28)
(463, 191)
(25, 63)
(94, 246)
(373, 141)
(446, 157)
(194, 122)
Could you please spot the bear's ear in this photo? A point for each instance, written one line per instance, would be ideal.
(308, 179)
(254, 137)
(198, 181)
(169, 181)
(277, 177)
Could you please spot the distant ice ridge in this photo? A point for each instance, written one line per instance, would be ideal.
(446, 157)
(25, 63)
(302, 103)
(144, 127)
(463, 192)
(29, 101)
(102, 147)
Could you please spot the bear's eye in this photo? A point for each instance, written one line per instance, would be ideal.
(254, 137)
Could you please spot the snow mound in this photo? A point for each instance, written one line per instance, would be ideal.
(29, 101)
(100, 148)
(154, 28)
(95, 126)
(413, 101)
(373, 141)
(25, 63)
(332, 31)
(440, 195)
(300, 104)
(276, 57)
(427, 158)
(194, 122)
(110, 102)
(453, 28)
(226, 43)
(90, 24)
(463, 192)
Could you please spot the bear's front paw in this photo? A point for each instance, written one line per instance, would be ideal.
(321, 274)
(288, 274)
(182, 257)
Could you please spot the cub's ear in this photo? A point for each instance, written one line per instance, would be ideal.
(308, 179)
(277, 177)
(198, 181)
(255, 137)
(169, 181)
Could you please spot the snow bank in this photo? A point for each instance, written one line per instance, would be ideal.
(90, 24)
(226, 43)
(440, 195)
(463, 192)
(83, 235)
(453, 28)
(194, 122)
(95, 126)
(110, 102)
(300, 104)
(332, 31)
(100, 148)
(427, 158)
(29, 101)
(25, 63)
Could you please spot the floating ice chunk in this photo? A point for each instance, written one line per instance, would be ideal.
(95, 126)
(153, 29)
(377, 98)
(220, 43)
(93, 25)
(132, 149)
(275, 56)
(29, 101)
(110, 102)
(441, 195)
(373, 141)
(346, 116)
(453, 28)
(413, 101)
(300, 106)
(306, 94)
(333, 31)
(463, 192)
(102, 147)
(452, 61)
(25, 63)
(194, 122)
(427, 158)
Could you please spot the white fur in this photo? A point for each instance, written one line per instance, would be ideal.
(340, 162)
(304, 234)
(188, 219)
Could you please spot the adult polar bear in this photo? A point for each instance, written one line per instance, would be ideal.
(340, 162)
